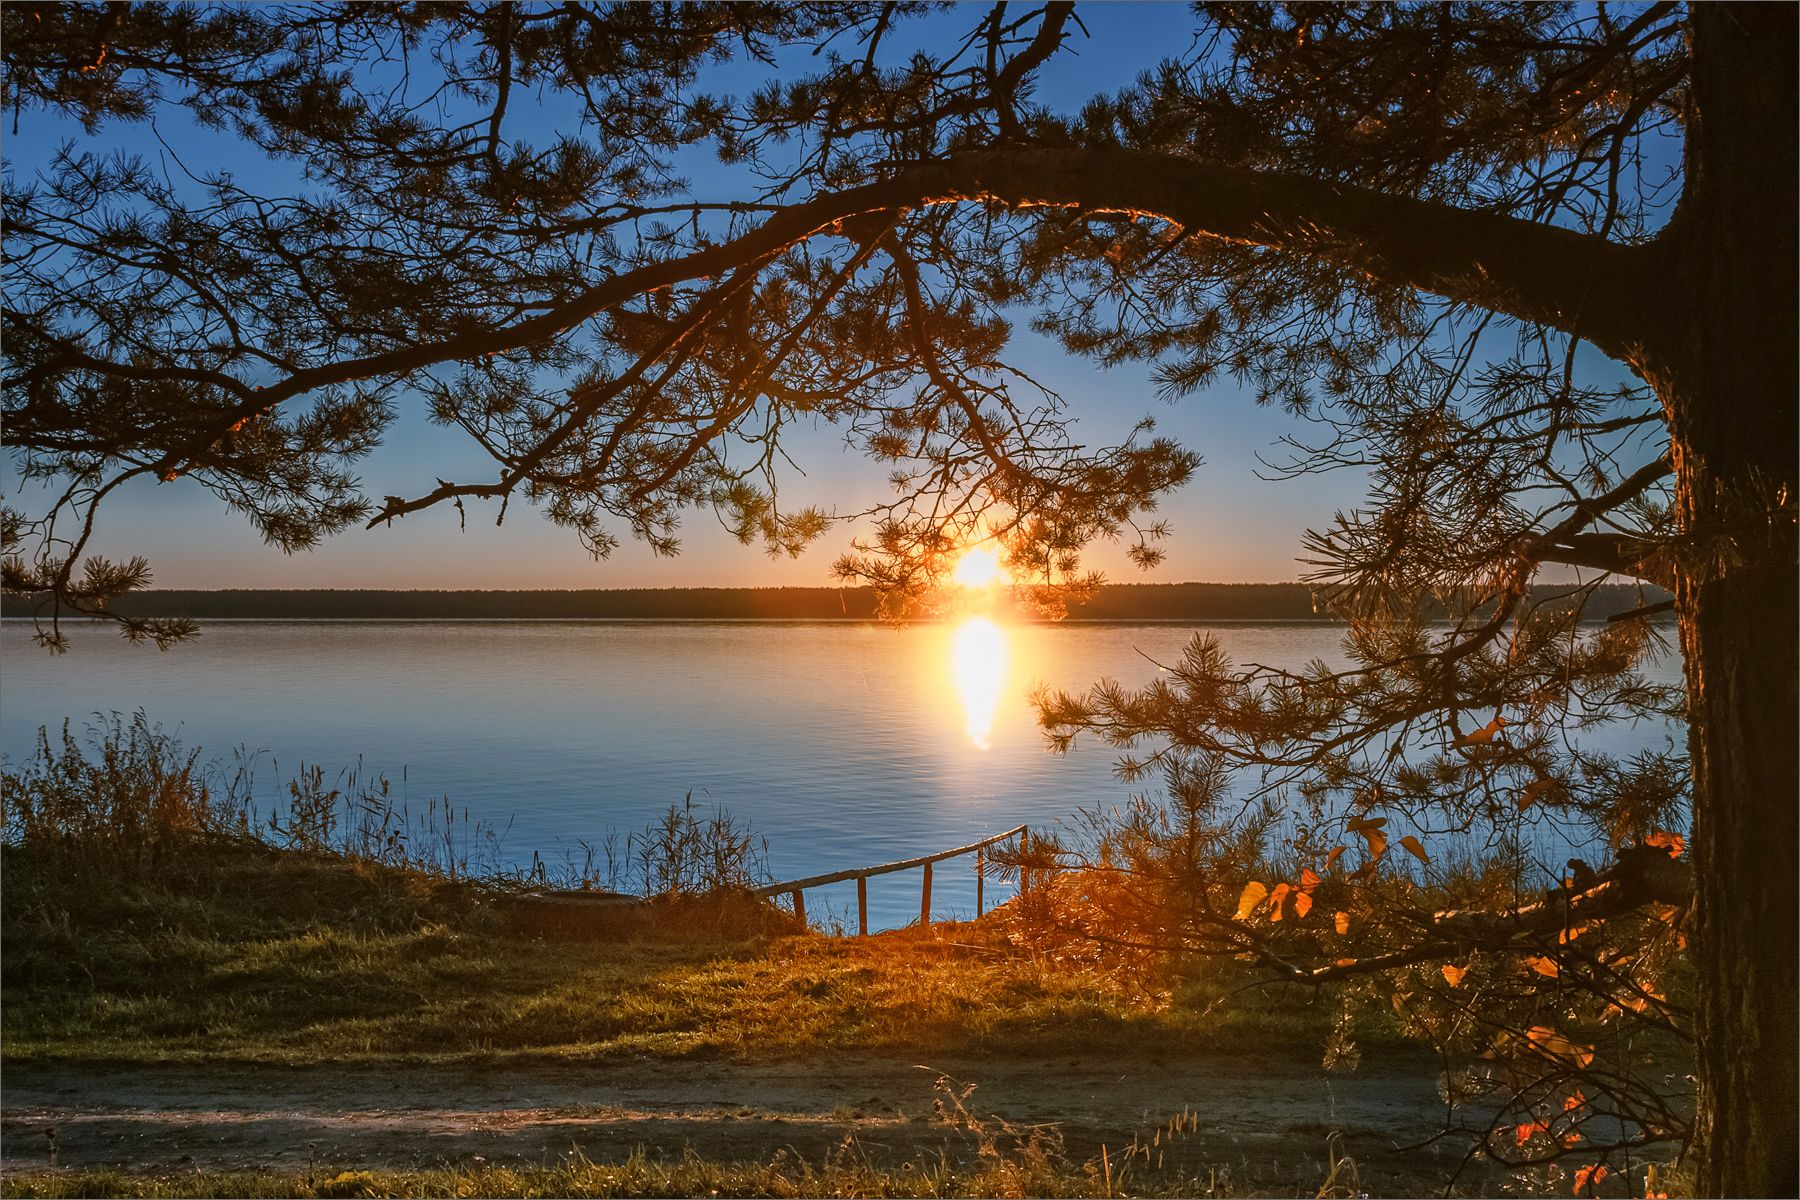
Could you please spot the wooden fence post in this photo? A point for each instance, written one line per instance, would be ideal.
(925, 898)
(800, 907)
(980, 878)
(862, 905)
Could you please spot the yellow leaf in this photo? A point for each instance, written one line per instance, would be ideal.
(1453, 975)
(1342, 921)
(1251, 899)
(1414, 848)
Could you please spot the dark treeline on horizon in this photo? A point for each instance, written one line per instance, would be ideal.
(1116, 602)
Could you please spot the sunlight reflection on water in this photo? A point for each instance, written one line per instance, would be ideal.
(978, 662)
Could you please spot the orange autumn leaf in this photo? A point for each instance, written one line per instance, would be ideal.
(1251, 899)
(1572, 932)
(1662, 839)
(1276, 899)
(1342, 922)
(1588, 1176)
(1555, 1044)
(1533, 790)
(1571, 1103)
(1309, 879)
(1482, 736)
(1302, 905)
(1337, 852)
(1453, 975)
(1414, 847)
(1544, 966)
(1373, 838)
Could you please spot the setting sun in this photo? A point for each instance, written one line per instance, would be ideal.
(979, 568)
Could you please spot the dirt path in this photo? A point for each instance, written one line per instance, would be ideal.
(1257, 1117)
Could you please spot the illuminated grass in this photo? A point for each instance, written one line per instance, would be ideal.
(238, 953)
(637, 1177)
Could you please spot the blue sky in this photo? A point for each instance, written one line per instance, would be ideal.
(1228, 524)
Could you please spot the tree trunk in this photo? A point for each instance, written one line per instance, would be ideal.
(1731, 387)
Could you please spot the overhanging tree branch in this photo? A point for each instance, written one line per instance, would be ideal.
(1537, 272)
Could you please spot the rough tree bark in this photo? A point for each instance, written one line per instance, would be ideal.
(1729, 383)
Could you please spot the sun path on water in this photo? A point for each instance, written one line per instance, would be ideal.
(978, 650)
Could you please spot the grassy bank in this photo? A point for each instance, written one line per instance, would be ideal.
(151, 916)
(225, 950)
(784, 1176)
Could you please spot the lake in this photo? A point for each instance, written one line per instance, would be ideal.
(843, 744)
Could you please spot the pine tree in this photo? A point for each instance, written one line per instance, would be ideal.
(1401, 222)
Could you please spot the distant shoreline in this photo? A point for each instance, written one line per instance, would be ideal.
(1114, 604)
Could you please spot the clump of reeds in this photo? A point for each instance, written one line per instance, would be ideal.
(130, 792)
(357, 816)
(137, 794)
(690, 853)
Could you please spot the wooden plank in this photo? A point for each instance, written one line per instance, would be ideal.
(812, 881)
(925, 898)
(862, 905)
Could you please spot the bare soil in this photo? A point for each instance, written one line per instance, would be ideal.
(1264, 1121)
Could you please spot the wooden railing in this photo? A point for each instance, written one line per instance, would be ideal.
(796, 888)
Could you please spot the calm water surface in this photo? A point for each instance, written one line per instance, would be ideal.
(843, 744)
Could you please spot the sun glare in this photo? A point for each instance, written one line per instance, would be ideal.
(978, 659)
(979, 568)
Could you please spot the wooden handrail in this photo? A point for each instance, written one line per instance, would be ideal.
(796, 885)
